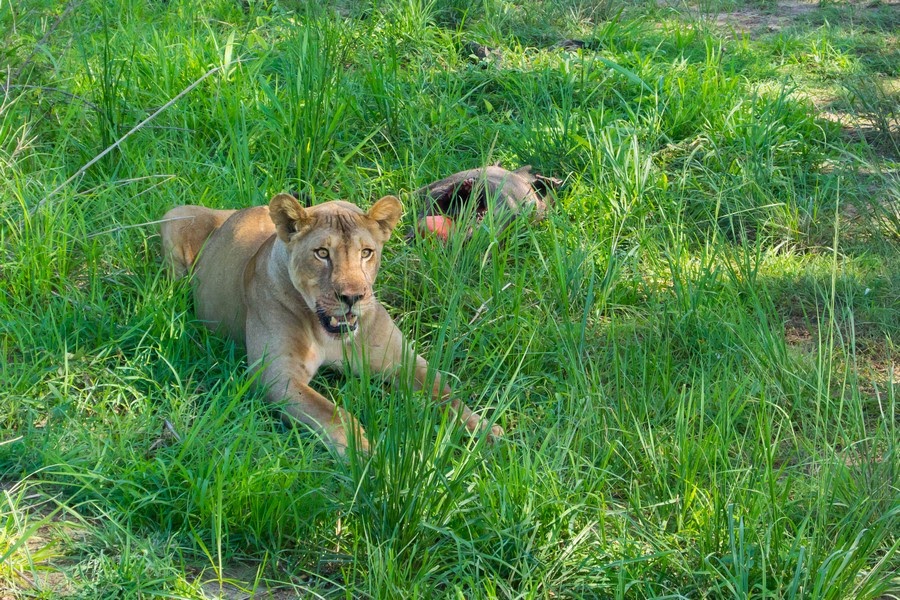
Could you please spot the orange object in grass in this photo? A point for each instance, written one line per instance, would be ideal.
(437, 225)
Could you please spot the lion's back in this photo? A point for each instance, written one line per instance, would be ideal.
(219, 272)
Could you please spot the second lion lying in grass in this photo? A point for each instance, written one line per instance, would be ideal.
(294, 285)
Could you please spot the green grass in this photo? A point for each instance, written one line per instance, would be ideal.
(694, 356)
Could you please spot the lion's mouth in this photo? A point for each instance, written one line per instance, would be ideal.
(342, 325)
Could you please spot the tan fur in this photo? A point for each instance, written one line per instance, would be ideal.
(259, 280)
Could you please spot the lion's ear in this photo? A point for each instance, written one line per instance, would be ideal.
(288, 216)
(386, 212)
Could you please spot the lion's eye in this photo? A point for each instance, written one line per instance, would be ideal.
(367, 252)
(321, 253)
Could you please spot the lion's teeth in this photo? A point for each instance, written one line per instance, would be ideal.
(333, 322)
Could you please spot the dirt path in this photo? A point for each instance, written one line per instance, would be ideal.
(754, 21)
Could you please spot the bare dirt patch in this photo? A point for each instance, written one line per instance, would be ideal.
(242, 581)
(756, 21)
(874, 362)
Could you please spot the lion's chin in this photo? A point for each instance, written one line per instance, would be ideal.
(338, 326)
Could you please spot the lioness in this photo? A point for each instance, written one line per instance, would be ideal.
(294, 285)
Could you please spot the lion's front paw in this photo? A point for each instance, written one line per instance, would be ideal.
(341, 443)
(495, 434)
(362, 446)
(475, 424)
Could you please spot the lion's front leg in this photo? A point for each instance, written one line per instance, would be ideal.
(309, 406)
(286, 379)
(387, 352)
(441, 393)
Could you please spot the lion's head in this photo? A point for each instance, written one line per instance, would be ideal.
(334, 251)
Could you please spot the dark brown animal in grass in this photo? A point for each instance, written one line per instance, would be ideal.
(463, 199)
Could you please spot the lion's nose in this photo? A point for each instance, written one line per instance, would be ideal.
(348, 300)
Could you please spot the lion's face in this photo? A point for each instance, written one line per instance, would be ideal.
(334, 251)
